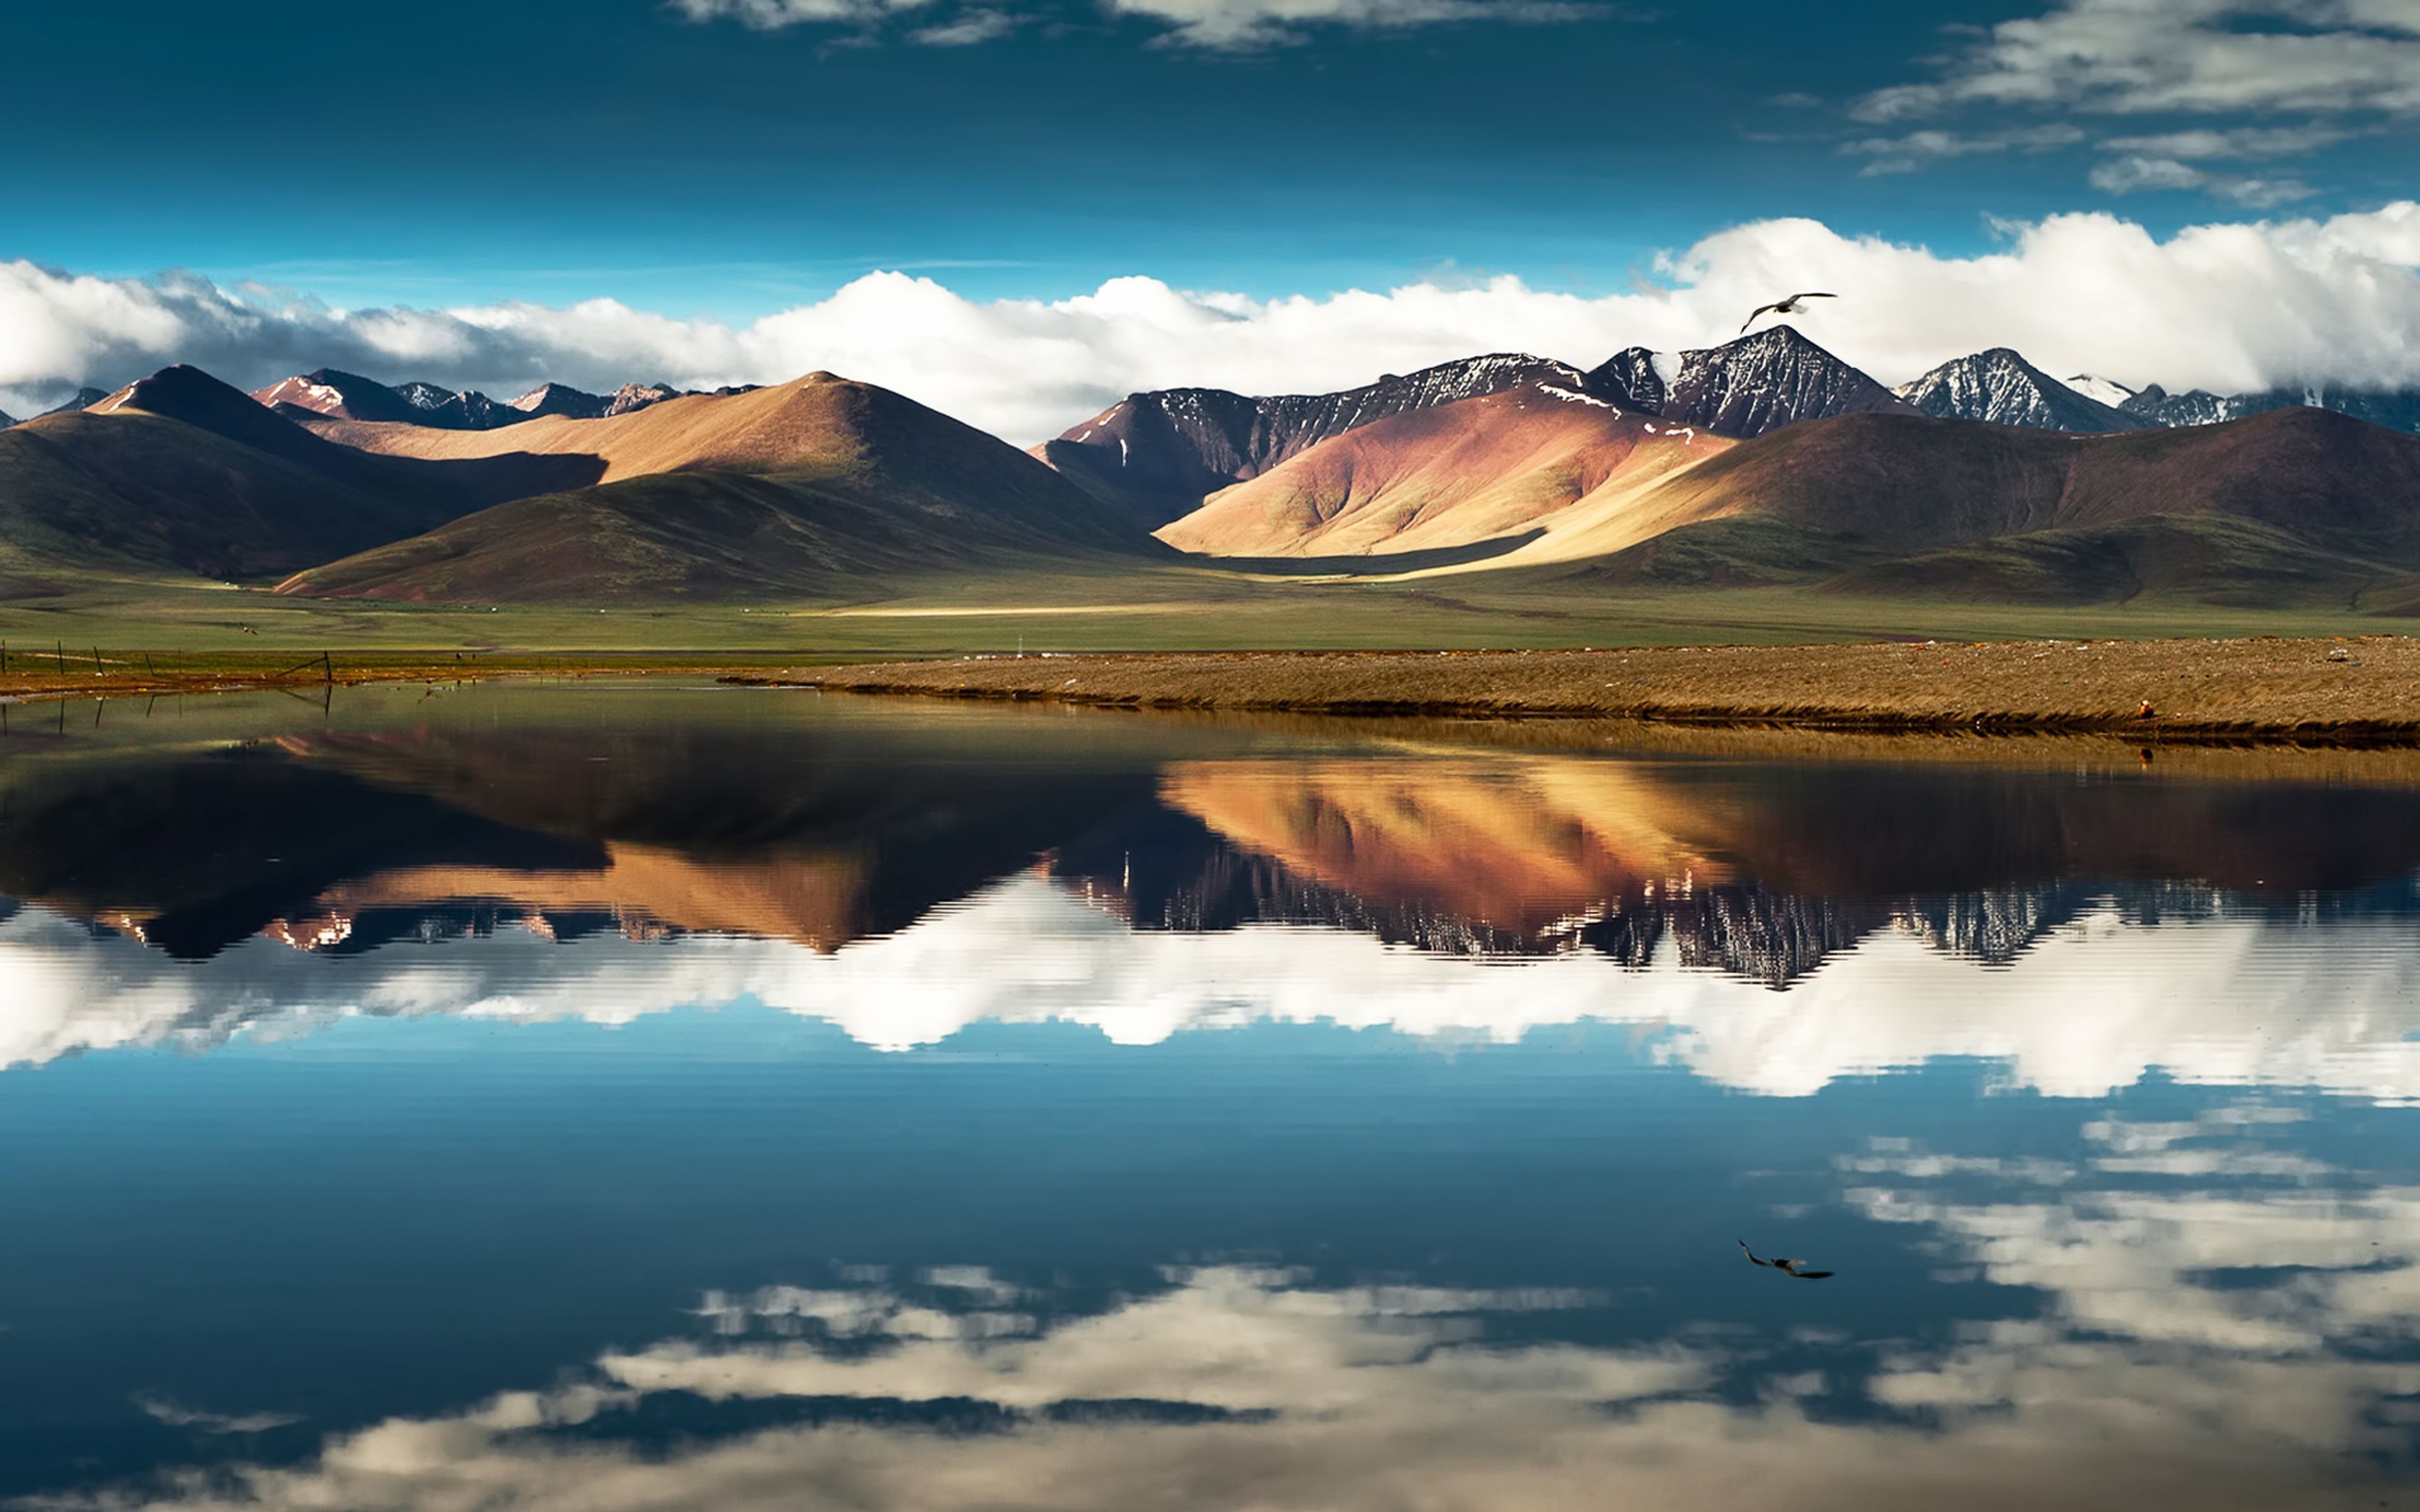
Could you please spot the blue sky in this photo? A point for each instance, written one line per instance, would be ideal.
(723, 160)
(554, 149)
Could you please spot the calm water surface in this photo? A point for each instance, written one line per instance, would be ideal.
(643, 1097)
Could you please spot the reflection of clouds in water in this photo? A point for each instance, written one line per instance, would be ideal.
(2092, 1007)
(1308, 1399)
(178, 1415)
(2319, 1259)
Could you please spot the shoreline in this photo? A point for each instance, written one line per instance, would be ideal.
(2361, 690)
(2347, 691)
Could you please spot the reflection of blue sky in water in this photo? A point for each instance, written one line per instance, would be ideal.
(1062, 1178)
(1281, 1217)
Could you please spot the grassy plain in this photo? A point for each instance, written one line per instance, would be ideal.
(146, 636)
(2356, 689)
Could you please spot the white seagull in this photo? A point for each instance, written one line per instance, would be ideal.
(1787, 306)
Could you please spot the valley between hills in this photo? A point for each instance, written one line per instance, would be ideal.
(1761, 492)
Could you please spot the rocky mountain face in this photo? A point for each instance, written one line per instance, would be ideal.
(561, 399)
(1182, 444)
(2002, 388)
(341, 396)
(631, 397)
(471, 410)
(1743, 388)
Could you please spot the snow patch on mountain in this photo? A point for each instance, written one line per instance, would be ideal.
(2101, 390)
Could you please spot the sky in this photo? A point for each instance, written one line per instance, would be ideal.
(1020, 210)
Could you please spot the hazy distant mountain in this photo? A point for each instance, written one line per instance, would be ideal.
(6, 420)
(341, 396)
(82, 399)
(2394, 409)
(1161, 453)
(2004, 388)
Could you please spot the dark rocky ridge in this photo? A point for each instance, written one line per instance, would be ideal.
(1743, 388)
(2000, 387)
(1176, 446)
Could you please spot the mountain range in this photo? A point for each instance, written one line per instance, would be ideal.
(339, 395)
(1763, 460)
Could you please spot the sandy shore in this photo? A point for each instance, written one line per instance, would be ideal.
(2363, 689)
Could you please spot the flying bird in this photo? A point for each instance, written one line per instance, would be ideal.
(1785, 1267)
(1787, 306)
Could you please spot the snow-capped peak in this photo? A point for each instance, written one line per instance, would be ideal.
(2101, 390)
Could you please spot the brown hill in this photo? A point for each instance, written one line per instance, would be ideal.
(759, 431)
(813, 487)
(1474, 470)
(2104, 516)
(1160, 453)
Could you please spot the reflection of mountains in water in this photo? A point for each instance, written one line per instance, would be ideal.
(1172, 874)
(758, 819)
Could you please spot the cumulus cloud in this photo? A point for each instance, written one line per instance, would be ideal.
(2138, 56)
(2227, 306)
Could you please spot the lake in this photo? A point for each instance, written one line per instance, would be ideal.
(629, 1095)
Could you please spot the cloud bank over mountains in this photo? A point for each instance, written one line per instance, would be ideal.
(2227, 306)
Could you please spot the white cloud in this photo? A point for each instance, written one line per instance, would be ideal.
(2226, 306)
(771, 15)
(1253, 23)
(965, 29)
(1217, 24)
(2245, 142)
(2136, 56)
(2126, 175)
(1919, 149)
(1336, 1402)
(2096, 1006)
